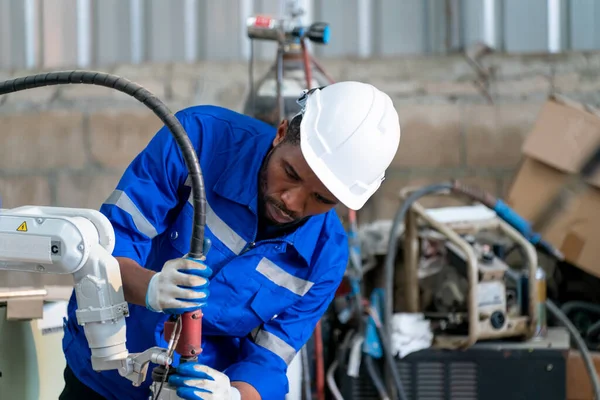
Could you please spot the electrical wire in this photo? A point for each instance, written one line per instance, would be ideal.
(579, 342)
(387, 352)
(170, 350)
(376, 378)
(335, 392)
(339, 360)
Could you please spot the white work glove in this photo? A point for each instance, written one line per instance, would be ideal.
(198, 382)
(181, 286)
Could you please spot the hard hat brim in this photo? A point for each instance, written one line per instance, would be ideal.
(326, 176)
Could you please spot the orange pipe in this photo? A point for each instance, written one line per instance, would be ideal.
(319, 359)
(320, 367)
(307, 65)
(318, 65)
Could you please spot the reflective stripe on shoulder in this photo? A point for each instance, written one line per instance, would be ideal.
(282, 278)
(220, 229)
(274, 344)
(120, 199)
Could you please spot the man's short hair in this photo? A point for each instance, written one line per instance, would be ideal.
(292, 136)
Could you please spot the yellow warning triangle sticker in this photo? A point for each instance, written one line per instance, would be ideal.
(22, 227)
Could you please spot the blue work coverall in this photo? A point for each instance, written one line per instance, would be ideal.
(266, 296)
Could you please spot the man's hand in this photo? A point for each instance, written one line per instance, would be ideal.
(181, 286)
(198, 382)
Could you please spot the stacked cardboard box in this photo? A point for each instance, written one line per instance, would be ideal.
(563, 136)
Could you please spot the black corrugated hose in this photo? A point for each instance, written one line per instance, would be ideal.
(153, 103)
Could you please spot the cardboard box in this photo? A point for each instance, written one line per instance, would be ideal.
(579, 386)
(563, 136)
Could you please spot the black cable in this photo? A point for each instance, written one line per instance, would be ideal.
(153, 103)
(570, 306)
(592, 332)
(376, 378)
(389, 358)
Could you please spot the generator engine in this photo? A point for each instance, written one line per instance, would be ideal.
(444, 288)
(456, 272)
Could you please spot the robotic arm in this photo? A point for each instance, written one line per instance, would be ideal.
(80, 242)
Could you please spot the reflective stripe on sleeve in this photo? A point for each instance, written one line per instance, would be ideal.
(274, 344)
(120, 199)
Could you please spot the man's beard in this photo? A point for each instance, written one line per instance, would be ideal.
(264, 199)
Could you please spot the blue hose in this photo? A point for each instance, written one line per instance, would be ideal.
(524, 227)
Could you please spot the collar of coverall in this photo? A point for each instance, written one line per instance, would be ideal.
(245, 166)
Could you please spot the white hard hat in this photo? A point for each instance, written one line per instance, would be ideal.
(349, 135)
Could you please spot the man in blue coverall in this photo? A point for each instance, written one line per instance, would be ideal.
(277, 248)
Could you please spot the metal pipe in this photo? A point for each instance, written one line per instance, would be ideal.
(554, 26)
(190, 23)
(32, 33)
(490, 28)
(411, 262)
(84, 33)
(136, 23)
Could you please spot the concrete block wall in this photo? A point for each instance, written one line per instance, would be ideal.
(68, 145)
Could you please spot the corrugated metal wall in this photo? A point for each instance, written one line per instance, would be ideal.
(68, 33)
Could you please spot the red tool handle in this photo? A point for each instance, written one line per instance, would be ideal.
(189, 345)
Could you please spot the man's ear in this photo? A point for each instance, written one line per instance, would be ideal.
(281, 131)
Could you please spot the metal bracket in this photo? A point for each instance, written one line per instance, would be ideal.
(135, 366)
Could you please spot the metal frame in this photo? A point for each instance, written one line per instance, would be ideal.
(418, 214)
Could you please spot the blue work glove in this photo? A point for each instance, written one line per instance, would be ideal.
(181, 285)
(198, 382)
